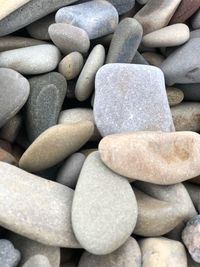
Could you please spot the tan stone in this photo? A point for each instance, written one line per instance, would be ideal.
(175, 96)
(9, 6)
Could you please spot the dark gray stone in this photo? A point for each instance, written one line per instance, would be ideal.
(191, 91)
(9, 256)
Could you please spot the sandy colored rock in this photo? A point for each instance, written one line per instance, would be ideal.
(8, 6)
(153, 58)
(175, 96)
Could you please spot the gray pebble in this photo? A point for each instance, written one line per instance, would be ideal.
(195, 34)
(123, 6)
(9, 256)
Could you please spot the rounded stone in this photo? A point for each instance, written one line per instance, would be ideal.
(153, 58)
(191, 91)
(175, 96)
(9, 256)
(37, 261)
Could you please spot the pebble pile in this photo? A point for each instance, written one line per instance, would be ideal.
(100, 133)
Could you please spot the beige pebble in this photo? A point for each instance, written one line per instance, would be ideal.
(175, 96)
(153, 58)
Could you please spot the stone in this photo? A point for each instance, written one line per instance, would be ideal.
(8, 6)
(44, 212)
(191, 263)
(153, 58)
(60, 141)
(44, 104)
(128, 255)
(14, 91)
(191, 91)
(154, 157)
(71, 65)
(92, 212)
(193, 190)
(163, 252)
(31, 60)
(182, 66)
(161, 10)
(30, 12)
(83, 16)
(139, 59)
(190, 237)
(69, 172)
(5, 145)
(37, 261)
(126, 108)
(173, 35)
(9, 256)
(11, 129)
(86, 79)
(196, 20)
(186, 116)
(142, 2)
(69, 38)
(125, 41)
(7, 157)
(195, 33)
(123, 6)
(175, 96)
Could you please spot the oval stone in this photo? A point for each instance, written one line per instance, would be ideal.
(175, 96)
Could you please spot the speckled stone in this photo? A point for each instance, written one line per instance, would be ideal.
(44, 104)
(125, 41)
(85, 82)
(126, 100)
(30, 12)
(8, 6)
(14, 91)
(83, 16)
(128, 255)
(154, 157)
(191, 91)
(31, 60)
(196, 21)
(183, 66)
(153, 58)
(9, 256)
(69, 38)
(92, 214)
(43, 213)
(11, 129)
(175, 96)
(37, 261)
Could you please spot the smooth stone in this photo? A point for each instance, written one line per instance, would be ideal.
(30, 12)
(172, 35)
(196, 21)
(9, 256)
(39, 28)
(154, 157)
(86, 79)
(175, 96)
(11, 129)
(182, 66)
(93, 215)
(161, 10)
(37, 261)
(69, 38)
(125, 41)
(43, 213)
(71, 65)
(47, 93)
(14, 91)
(8, 6)
(128, 255)
(195, 34)
(191, 91)
(126, 108)
(139, 59)
(186, 116)
(7, 157)
(69, 172)
(163, 252)
(31, 60)
(60, 141)
(153, 58)
(122, 6)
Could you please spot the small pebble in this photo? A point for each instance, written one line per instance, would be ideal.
(9, 256)
(175, 96)
(153, 58)
(7, 157)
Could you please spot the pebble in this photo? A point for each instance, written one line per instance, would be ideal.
(7, 7)
(14, 92)
(139, 59)
(191, 91)
(37, 261)
(92, 212)
(71, 65)
(11, 129)
(7, 157)
(182, 66)
(195, 34)
(85, 82)
(128, 255)
(125, 41)
(153, 58)
(60, 141)
(161, 10)
(44, 212)
(47, 93)
(31, 60)
(133, 96)
(173, 35)
(69, 38)
(122, 6)
(175, 96)
(9, 256)
(155, 157)
(196, 20)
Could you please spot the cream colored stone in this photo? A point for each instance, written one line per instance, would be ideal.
(175, 96)
(9, 6)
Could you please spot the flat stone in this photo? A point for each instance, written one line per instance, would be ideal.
(137, 90)
(163, 252)
(37, 261)
(175, 96)
(11, 129)
(44, 104)
(60, 141)
(172, 35)
(128, 255)
(69, 38)
(7, 157)
(161, 10)
(182, 66)
(191, 91)
(14, 91)
(9, 6)
(30, 12)
(92, 212)
(83, 16)
(125, 41)
(154, 157)
(31, 60)
(186, 116)
(71, 65)
(196, 20)
(44, 212)
(86, 79)
(9, 256)
(153, 58)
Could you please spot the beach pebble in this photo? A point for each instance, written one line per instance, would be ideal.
(123, 6)
(153, 58)
(196, 21)
(175, 96)
(8, 6)
(195, 34)
(11, 129)
(37, 261)
(9, 256)
(191, 91)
